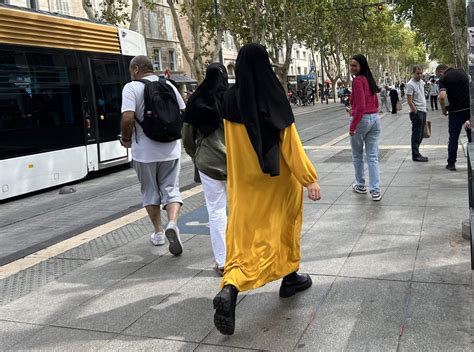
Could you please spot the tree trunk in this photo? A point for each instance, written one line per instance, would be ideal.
(134, 15)
(87, 6)
(196, 70)
(459, 31)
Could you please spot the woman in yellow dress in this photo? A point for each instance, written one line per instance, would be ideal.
(266, 171)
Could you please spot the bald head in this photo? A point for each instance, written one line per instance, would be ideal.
(140, 66)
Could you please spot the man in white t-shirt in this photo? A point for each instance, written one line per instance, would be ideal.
(156, 164)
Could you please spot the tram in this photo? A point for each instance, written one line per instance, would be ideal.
(61, 80)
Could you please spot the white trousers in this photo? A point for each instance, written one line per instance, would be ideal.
(215, 193)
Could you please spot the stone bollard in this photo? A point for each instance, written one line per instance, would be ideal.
(466, 230)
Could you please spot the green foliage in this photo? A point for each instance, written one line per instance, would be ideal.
(113, 12)
(432, 22)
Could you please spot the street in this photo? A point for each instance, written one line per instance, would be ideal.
(26, 225)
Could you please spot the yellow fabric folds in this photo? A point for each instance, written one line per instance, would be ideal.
(265, 213)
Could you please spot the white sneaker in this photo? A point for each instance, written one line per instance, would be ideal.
(158, 239)
(172, 234)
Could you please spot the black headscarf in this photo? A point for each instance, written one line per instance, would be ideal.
(203, 109)
(259, 102)
(365, 71)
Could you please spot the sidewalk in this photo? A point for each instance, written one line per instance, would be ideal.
(388, 276)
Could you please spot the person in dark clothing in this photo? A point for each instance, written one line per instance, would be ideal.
(394, 99)
(454, 83)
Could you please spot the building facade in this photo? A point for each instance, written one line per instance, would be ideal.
(64, 7)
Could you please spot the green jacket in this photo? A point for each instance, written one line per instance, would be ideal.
(208, 153)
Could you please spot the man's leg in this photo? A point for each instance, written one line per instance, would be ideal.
(168, 182)
(415, 134)
(146, 173)
(432, 100)
(436, 102)
(455, 126)
(154, 213)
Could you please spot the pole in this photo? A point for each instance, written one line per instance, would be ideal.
(322, 69)
(218, 25)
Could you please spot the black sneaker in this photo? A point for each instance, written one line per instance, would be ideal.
(451, 167)
(293, 283)
(421, 158)
(224, 304)
(359, 189)
(376, 196)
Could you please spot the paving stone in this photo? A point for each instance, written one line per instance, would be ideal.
(358, 315)
(311, 213)
(338, 178)
(265, 321)
(197, 253)
(325, 253)
(449, 180)
(382, 257)
(344, 218)
(448, 197)
(393, 220)
(61, 339)
(438, 319)
(415, 179)
(12, 333)
(329, 194)
(122, 304)
(213, 348)
(186, 315)
(444, 221)
(405, 196)
(443, 260)
(132, 343)
(53, 300)
(143, 251)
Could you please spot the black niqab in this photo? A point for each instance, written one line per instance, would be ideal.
(258, 100)
(203, 109)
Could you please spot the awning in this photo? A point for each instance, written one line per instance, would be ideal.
(182, 79)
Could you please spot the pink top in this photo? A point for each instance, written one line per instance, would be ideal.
(362, 101)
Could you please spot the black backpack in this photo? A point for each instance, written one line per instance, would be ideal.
(162, 119)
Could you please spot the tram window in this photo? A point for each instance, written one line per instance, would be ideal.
(40, 103)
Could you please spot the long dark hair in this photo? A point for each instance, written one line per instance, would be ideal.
(365, 71)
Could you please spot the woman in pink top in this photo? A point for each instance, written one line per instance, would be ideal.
(365, 127)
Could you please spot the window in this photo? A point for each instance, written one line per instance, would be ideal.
(230, 70)
(153, 18)
(157, 59)
(299, 70)
(297, 54)
(169, 27)
(305, 70)
(62, 7)
(304, 55)
(4, 2)
(172, 60)
(33, 4)
(40, 103)
(108, 97)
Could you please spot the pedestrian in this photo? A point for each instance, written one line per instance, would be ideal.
(416, 100)
(365, 127)
(157, 164)
(267, 169)
(203, 140)
(394, 99)
(434, 92)
(383, 99)
(402, 90)
(454, 83)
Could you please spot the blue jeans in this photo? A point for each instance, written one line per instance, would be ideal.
(368, 132)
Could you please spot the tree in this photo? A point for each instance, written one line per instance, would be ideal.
(114, 12)
(273, 23)
(441, 25)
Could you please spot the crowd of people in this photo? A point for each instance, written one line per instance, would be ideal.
(251, 162)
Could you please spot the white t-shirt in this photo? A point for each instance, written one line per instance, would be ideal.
(144, 149)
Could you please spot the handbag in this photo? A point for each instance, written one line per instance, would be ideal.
(427, 130)
(399, 106)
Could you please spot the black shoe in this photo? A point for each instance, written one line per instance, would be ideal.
(224, 304)
(451, 167)
(421, 158)
(293, 283)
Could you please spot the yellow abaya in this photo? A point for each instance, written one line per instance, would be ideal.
(265, 213)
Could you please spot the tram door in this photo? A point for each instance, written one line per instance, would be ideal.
(107, 87)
